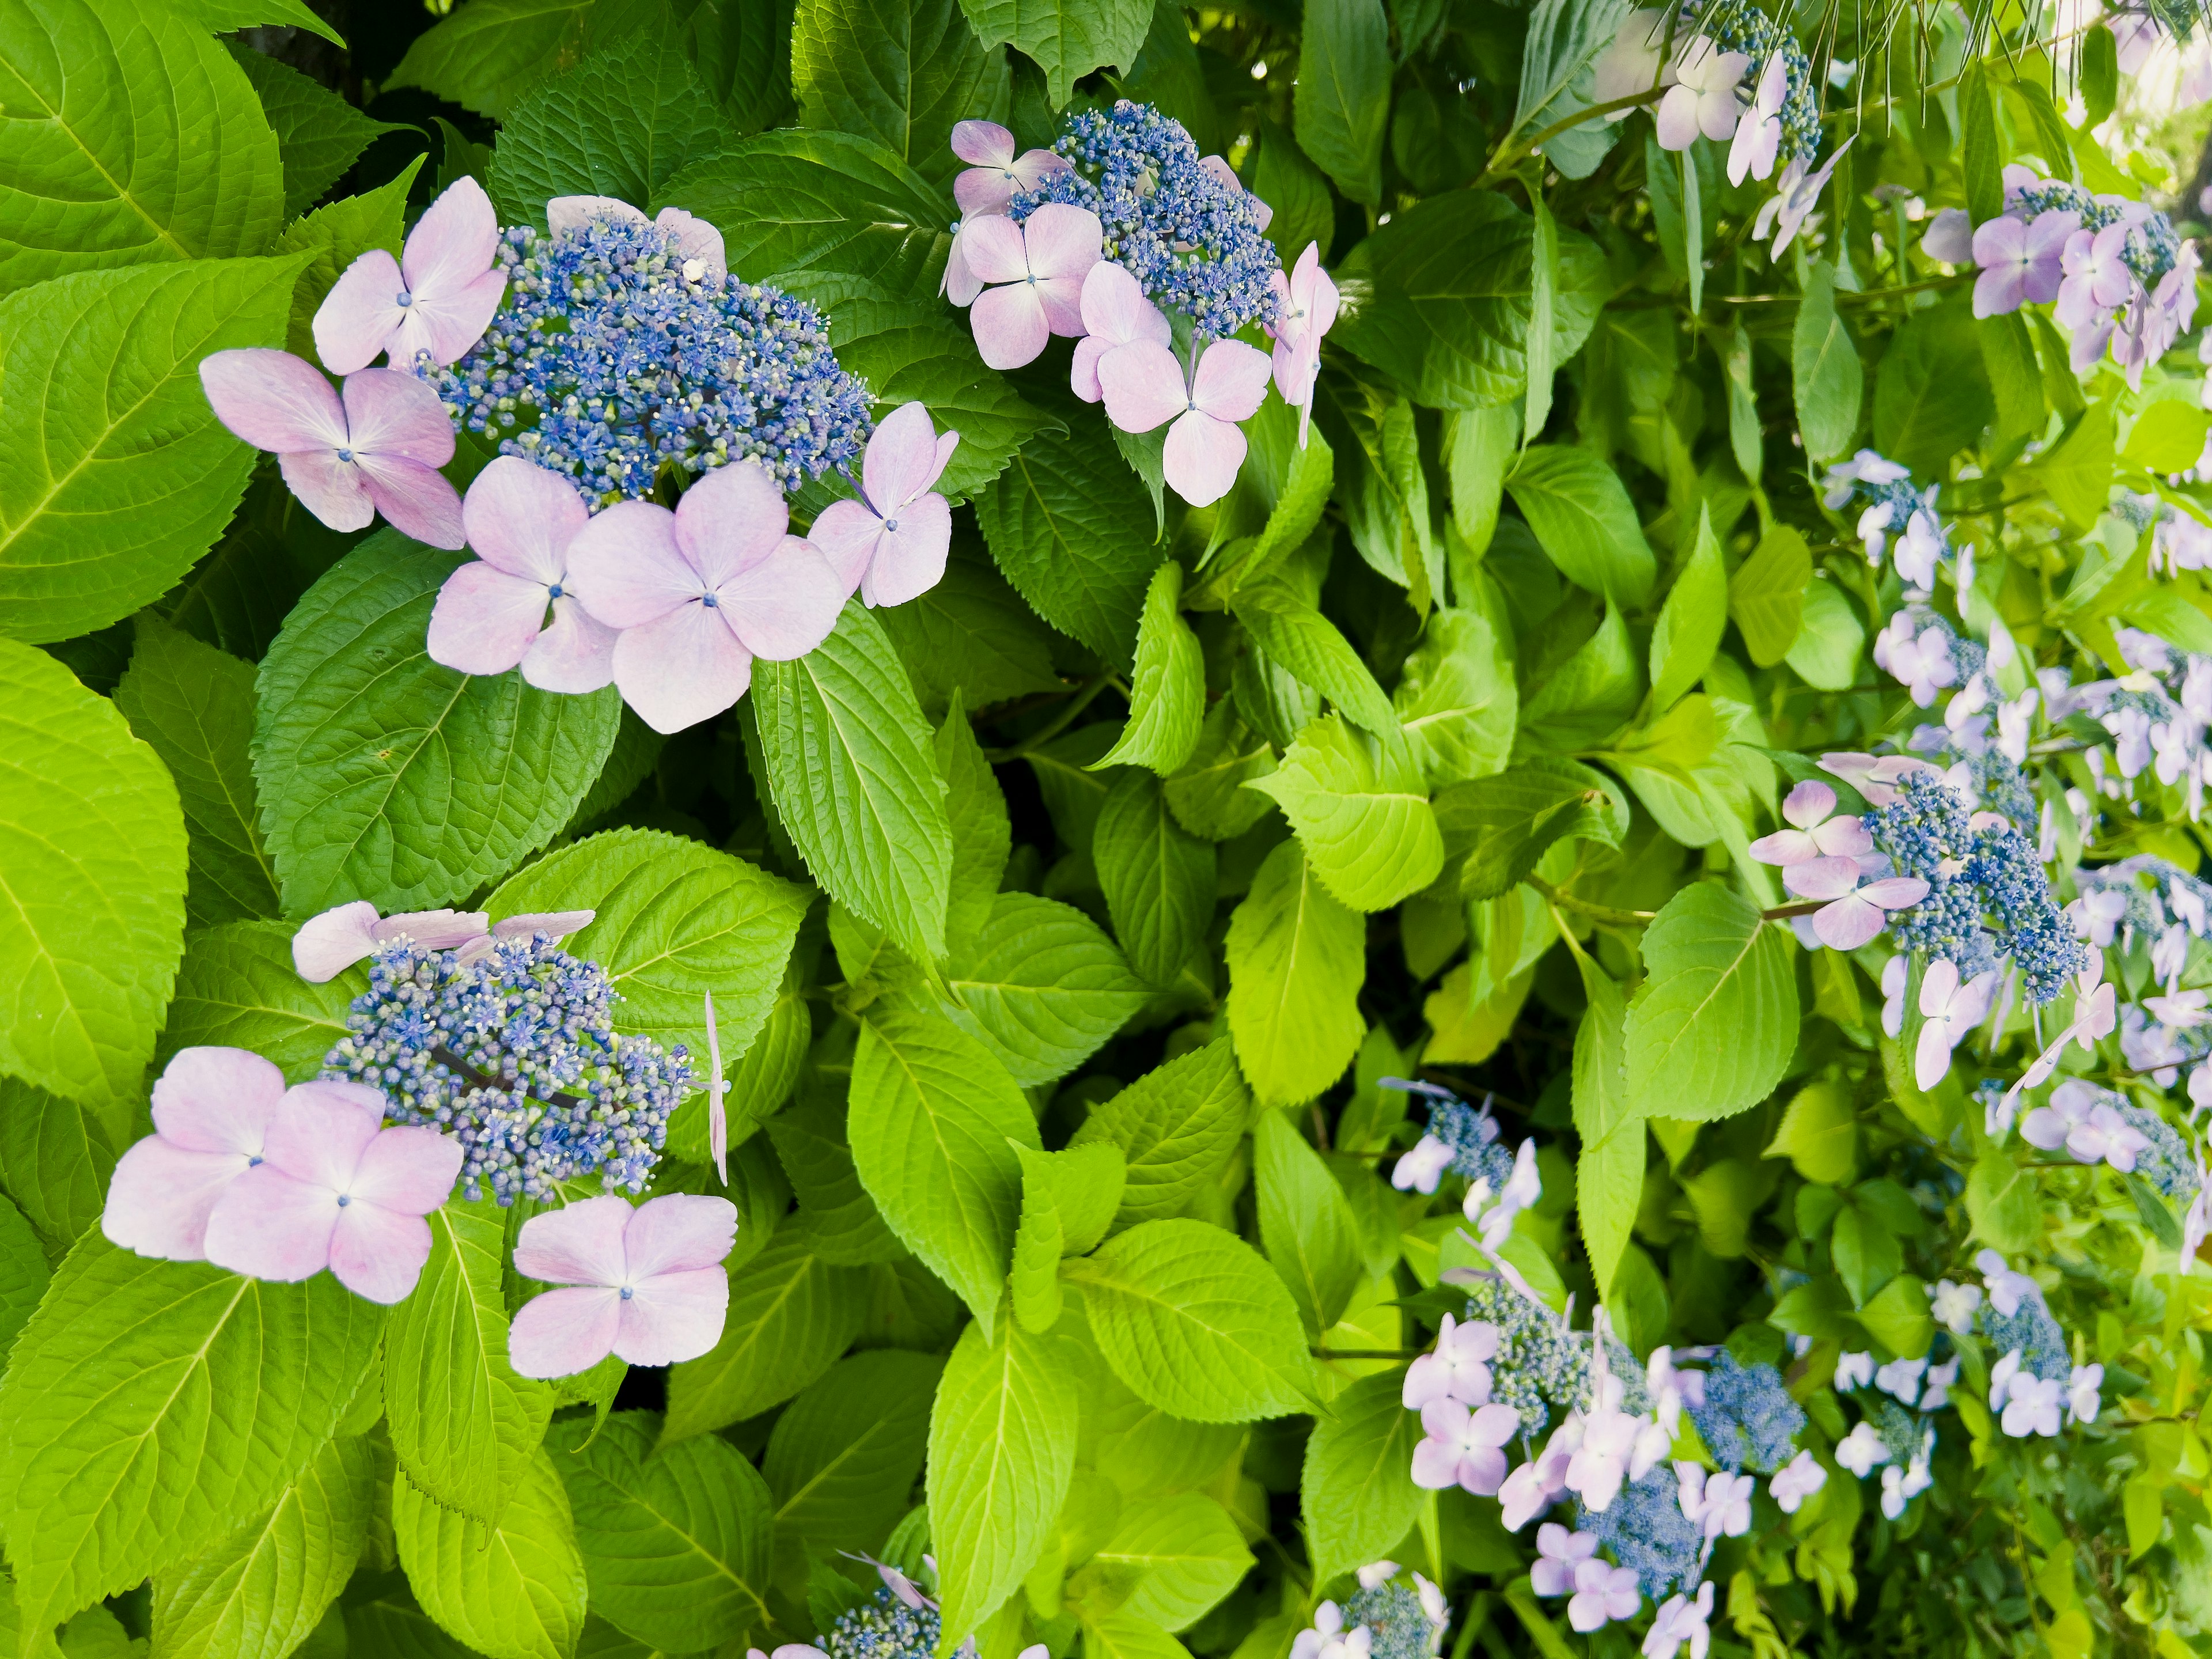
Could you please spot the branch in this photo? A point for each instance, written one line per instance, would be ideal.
(1607, 914)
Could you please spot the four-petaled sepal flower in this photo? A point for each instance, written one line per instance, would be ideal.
(643, 1283)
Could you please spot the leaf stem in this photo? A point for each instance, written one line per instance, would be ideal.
(1607, 914)
(1367, 1354)
(1508, 152)
(1059, 722)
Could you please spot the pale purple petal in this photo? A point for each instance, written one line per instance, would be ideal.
(561, 1333)
(378, 1254)
(960, 285)
(332, 489)
(676, 1233)
(1201, 456)
(626, 566)
(674, 1317)
(1436, 1465)
(484, 620)
(1808, 803)
(694, 238)
(216, 1100)
(683, 667)
(389, 413)
(994, 250)
(1822, 878)
(1894, 892)
(161, 1195)
(357, 318)
(1062, 241)
(2000, 288)
(453, 244)
(433, 930)
(521, 517)
(327, 945)
(268, 1225)
(910, 561)
(1482, 1471)
(901, 462)
(1062, 300)
(986, 190)
(730, 519)
(557, 924)
(1143, 385)
(1011, 325)
(319, 1139)
(413, 497)
(575, 212)
(783, 605)
(1932, 1057)
(1083, 368)
(983, 144)
(1785, 847)
(456, 320)
(274, 400)
(1230, 381)
(575, 652)
(1848, 923)
(847, 534)
(1114, 305)
(580, 1243)
(409, 1170)
(1677, 118)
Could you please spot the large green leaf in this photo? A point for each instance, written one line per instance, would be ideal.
(23, 1272)
(387, 777)
(970, 632)
(1711, 1029)
(258, 1592)
(1505, 823)
(1067, 39)
(1692, 622)
(194, 705)
(1357, 1486)
(114, 474)
(92, 872)
(1207, 796)
(1295, 635)
(913, 354)
(849, 768)
(1609, 1174)
(1196, 1322)
(675, 1540)
(674, 920)
(1001, 1452)
(131, 136)
(1826, 375)
(1558, 58)
(1584, 521)
(1169, 1561)
(1344, 93)
(1297, 960)
(487, 53)
(932, 1115)
(842, 1459)
(1931, 395)
(1176, 1126)
(790, 1313)
(55, 1161)
(1158, 878)
(152, 1407)
(1361, 812)
(318, 134)
(900, 72)
(1043, 987)
(1305, 1223)
(237, 988)
(1166, 692)
(515, 1590)
(1456, 699)
(1766, 595)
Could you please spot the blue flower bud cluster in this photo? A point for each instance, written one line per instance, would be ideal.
(883, 1627)
(2000, 785)
(1398, 1626)
(2151, 246)
(1646, 1531)
(1748, 1419)
(2030, 1330)
(1991, 873)
(2166, 1161)
(514, 1055)
(1734, 26)
(607, 364)
(1539, 1363)
(1472, 1133)
(1190, 238)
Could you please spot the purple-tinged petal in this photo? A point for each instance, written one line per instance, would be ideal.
(333, 490)
(358, 317)
(1009, 324)
(847, 535)
(782, 605)
(1932, 1057)
(1114, 305)
(1062, 241)
(683, 668)
(575, 212)
(555, 924)
(409, 1170)
(1677, 118)
(389, 413)
(358, 1096)
(560, 1333)
(452, 245)
(676, 1233)
(217, 1100)
(910, 561)
(413, 497)
(575, 652)
(1999, 290)
(485, 619)
(274, 400)
(1143, 385)
(1894, 892)
(521, 518)
(626, 566)
(1848, 923)
(160, 1195)
(319, 1139)
(580, 1243)
(694, 238)
(718, 1089)
(901, 460)
(433, 930)
(327, 945)
(1201, 456)
(984, 190)
(378, 1254)
(983, 144)
(961, 285)
(1822, 878)
(1808, 803)
(730, 519)
(994, 250)
(268, 1225)
(457, 320)
(673, 1317)
(1785, 847)
(1482, 1471)
(1062, 300)
(1083, 368)
(1230, 381)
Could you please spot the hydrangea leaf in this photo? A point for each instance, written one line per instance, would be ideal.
(982, 837)
(1357, 1488)
(1167, 703)
(791, 1314)
(23, 1272)
(970, 633)
(1207, 795)
(1305, 1223)
(1067, 39)
(153, 1406)
(1505, 824)
(55, 1161)
(388, 777)
(1159, 879)
(1584, 521)
(841, 1221)
(237, 988)
(486, 54)
(515, 1590)
(1344, 93)
(1043, 986)
(1297, 960)
(1457, 700)
(1826, 376)
(900, 72)
(1169, 1561)
(1711, 1029)
(133, 137)
(1295, 634)
(318, 134)
(844, 1456)
(1361, 812)
(1766, 595)
(92, 868)
(917, 357)
(1177, 1126)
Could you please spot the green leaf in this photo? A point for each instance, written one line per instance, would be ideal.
(675, 1541)
(333, 237)
(917, 357)
(791, 1314)
(1558, 58)
(1981, 160)
(1207, 796)
(1825, 652)
(971, 633)
(1457, 700)
(840, 1221)
(844, 1454)
(899, 73)
(1584, 521)
(932, 1113)
(1158, 878)
(1067, 39)
(1196, 1322)
(487, 53)
(1295, 634)
(2004, 1201)
(1001, 1452)
(1167, 702)
(1362, 813)
(153, 1407)
(1543, 286)
(461, 1421)
(1344, 93)
(259, 1593)
(114, 474)
(1169, 1561)
(2164, 431)
(1824, 368)
(849, 767)
(1819, 1133)
(55, 1161)
(132, 138)
(1289, 182)
(23, 1272)
(674, 920)
(1931, 394)
(1766, 595)
(1177, 1126)
(1033, 1281)
(1609, 1173)
(221, 16)
(1305, 1225)
(621, 123)
(1297, 960)
(1691, 621)
(1358, 1488)
(515, 1590)
(388, 777)
(237, 988)
(1506, 822)
(318, 134)
(2078, 470)
(1071, 528)
(1711, 1029)
(1449, 311)
(1085, 1183)
(92, 870)
(194, 706)
(1043, 986)
(982, 837)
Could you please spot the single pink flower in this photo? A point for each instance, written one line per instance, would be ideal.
(1814, 833)
(1039, 265)
(1144, 386)
(701, 591)
(491, 614)
(1307, 302)
(435, 301)
(644, 1284)
(1114, 313)
(1858, 913)
(890, 543)
(378, 451)
(1759, 134)
(1702, 98)
(2021, 264)
(1603, 1593)
(2096, 278)
(1463, 1448)
(995, 174)
(329, 943)
(1949, 1011)
(335, 1189)
(1559, 1552)
(211, 1110)
(693, 241)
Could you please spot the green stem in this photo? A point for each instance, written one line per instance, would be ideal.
(1044, 734)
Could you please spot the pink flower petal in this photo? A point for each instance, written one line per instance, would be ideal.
(576, 212)
(693, 237)
(409, 1170)
(626, 567)
(1482, 1471)
(961, 285)
(1143, 385)
(216, 1100)
(319, 1139)
(1083, 368)
(389, 413)
(1062, 241)
(1822, 878)
(573, 653)
(1848, 923)
(901, 462)
(983, 144)
(847, 534)
(1230, 381)
(415, 498)
(485, 619)
(579, 1243)
(1009, 324)
(910, 561)
(560, 1333)
(358, 316)
(676, 1233)
(159, 1198)
(1808, 803)
(332, 489)
(683, 667)
(521, 517)
(993, 249)
(984, 190)
(730, 518)
(557, 923)
(1677, 118)
(453, 321)
(1201, 457)
(268, 1225)
(672, 1317)
(1931, 1056)
(1785, 847)
(378, 1254)
(274, 400)
(1114, 305)
(452, 245)
(433, 930)
(1062, 300)
(1894, 892)
(327, 945)
(784, 604)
